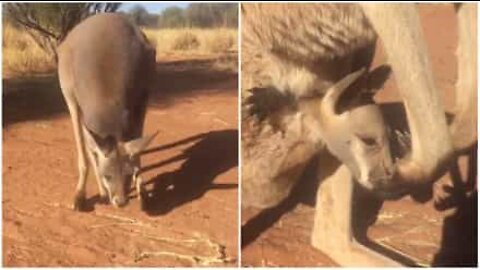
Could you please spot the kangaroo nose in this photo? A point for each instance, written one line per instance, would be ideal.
(119, 201)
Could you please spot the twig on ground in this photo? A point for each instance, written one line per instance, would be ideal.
(220, 121)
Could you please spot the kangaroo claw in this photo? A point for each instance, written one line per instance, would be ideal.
(79, 202)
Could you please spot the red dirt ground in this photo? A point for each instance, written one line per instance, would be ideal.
(415, 230)
(192, 214)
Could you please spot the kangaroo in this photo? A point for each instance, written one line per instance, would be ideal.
(275, 153)
(105, 68)
(331, 94)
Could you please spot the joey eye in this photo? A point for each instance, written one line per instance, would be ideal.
(108, 177)
(368, 141)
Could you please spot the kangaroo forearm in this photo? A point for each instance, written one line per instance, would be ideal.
(464, 126)
(399, 29)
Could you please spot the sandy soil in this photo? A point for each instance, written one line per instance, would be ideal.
(417, 231)
(191, 171)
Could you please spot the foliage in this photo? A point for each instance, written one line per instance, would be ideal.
(172, 17)
(49, 23)
(140, 16)
(21, 55)
(186, 41)
(193, 40)
(200, 15)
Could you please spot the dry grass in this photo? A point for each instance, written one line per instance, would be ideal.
(21, 55)
(185, 42)
(218, 43)
(215, 41)
(227, 63)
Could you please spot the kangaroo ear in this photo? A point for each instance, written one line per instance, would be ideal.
(378, 77)
(134, 147)
(374, 81)
(97, 143)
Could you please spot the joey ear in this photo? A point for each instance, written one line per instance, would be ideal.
(134, 147)
(374, 82)
(332, 96)
(377, 78)
(98, 144)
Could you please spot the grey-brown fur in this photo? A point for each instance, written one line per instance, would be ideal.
(105, 69)
(115, 64)
(287, 66)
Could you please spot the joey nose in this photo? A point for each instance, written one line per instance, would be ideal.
(389, 172)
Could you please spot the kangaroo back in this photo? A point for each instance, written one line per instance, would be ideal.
(108, 63)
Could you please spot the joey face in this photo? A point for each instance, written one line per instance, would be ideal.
(357, 136)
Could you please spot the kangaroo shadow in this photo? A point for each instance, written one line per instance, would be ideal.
(215, 153)
(39, 97)
(189, 77)
(31, 98)
(459, 245)
(89, 204)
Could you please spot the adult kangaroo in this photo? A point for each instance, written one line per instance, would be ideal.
(105, 66)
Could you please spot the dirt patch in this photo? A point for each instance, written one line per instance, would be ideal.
(190, 170)
(414, 231)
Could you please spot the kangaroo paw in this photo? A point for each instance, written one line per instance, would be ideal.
(141, 191)
(79, 201)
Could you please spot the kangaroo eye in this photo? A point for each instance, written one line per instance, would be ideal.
(108, 177)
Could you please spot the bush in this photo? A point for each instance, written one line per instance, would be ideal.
(185, 41)
(200, 15)
(21, 55)
(220, 41)
(215, 40)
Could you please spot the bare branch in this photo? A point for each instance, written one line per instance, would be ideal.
(48, 24)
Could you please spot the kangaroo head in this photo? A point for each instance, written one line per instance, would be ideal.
(115, 162)
(355, 133)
